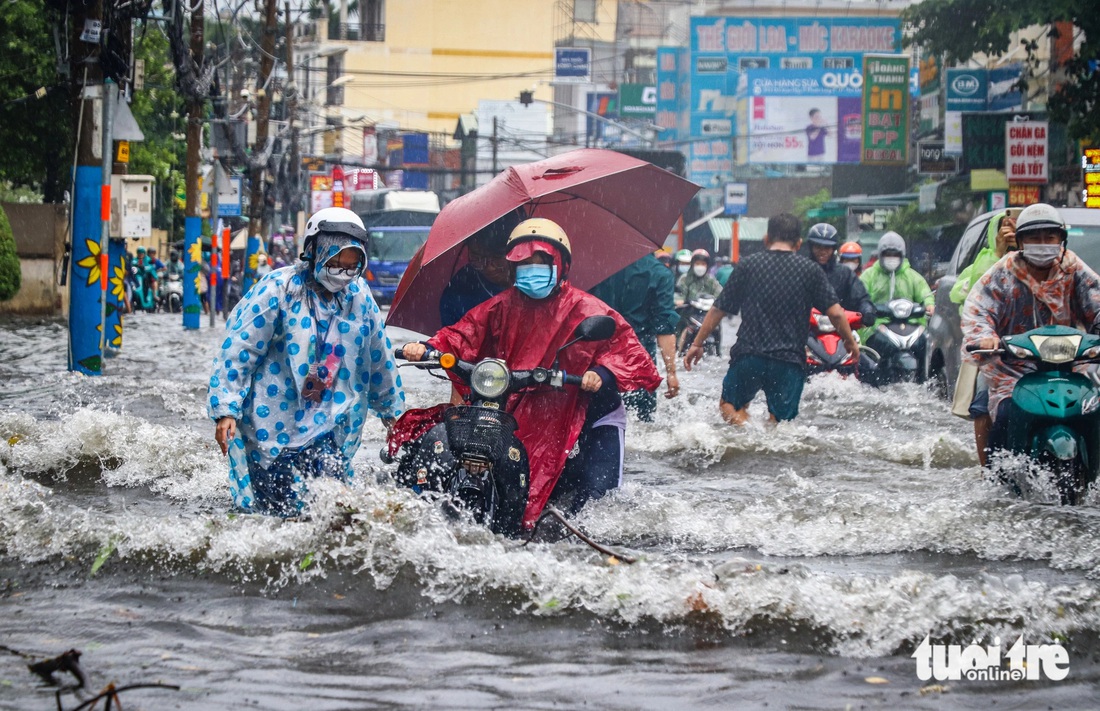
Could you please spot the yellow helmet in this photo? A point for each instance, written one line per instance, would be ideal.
(539, 229)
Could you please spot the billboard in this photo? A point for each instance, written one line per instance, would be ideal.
(885, 110)
(668, 92)
(572, 64)
(1004, 95)
(967, 90)
(1026, 152)
(764, 43)
(638, 101)
(803, 116)
(723, 50)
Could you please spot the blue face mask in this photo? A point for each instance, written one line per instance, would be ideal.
(536, 280)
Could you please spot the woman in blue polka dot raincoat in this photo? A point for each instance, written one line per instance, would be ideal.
(305, 356)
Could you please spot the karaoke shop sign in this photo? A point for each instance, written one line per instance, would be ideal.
(1026, 152)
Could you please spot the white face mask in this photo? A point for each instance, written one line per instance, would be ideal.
(851, 265)
(891, 264)
(699, 269)
(335, 282)
(1041, 255)
(682, 268)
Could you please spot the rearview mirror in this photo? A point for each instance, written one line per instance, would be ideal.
(595, 328)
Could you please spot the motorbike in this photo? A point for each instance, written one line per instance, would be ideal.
(898, 348)
(143, 299)
(691, 319)
(1055, 418)
(825, 350)
(171, 293)
(472, 456)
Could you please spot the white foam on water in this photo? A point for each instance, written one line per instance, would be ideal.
(707, 508)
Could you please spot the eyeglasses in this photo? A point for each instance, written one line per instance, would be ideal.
(351, 271)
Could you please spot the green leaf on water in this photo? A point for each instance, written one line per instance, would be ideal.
(306, 562)
(551, 604)
(101, 557)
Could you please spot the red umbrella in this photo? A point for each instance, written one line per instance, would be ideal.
(614, 208)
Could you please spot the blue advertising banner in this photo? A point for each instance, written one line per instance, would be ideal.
(668, 93)
(967, 89)
(572, 64)
(792, 42)
(724, 49)
(601, 103)
(803, 82)
(414, 149)
(1004, 95)
(710, 162)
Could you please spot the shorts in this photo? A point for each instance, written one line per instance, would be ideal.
(781, 382)
(279, 490)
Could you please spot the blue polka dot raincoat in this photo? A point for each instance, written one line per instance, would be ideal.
(271, 343)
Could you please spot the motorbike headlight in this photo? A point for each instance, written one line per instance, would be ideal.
(1058, 349)
(1093, 352)
(824, 324)
(1018, 351)
(901, 309)
(489, 378)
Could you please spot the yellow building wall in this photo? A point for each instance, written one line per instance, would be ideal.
(480, 38)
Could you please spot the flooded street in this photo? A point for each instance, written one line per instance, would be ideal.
(797, 566)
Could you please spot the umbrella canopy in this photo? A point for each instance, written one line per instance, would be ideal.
(614, 208)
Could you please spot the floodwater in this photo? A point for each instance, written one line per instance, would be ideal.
(789, 567)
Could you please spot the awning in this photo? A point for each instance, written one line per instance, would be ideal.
(750, 229)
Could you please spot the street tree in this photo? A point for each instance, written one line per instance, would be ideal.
(34, 103)
(10, 271)
(959, 29)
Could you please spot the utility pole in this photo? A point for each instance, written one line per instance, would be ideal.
(257, 207)
(192, 230)
(89, 253)
(294, 169)
(494, 145)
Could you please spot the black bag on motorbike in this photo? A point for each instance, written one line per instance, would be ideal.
(480, 431)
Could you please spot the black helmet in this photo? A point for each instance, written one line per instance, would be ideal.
(823, 234)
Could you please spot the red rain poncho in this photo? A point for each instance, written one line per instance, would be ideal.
(526, 333)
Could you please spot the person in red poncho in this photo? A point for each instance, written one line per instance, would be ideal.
(573, 437)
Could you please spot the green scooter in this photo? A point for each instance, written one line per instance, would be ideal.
(1055, 420)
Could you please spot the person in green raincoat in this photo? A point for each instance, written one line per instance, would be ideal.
(1000, 240)
(891, 277)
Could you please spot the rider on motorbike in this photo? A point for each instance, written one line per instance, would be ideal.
(851, 256)
(891, 278)
(573, 439)
(850, 291)
(697, 280)
(1042, 284)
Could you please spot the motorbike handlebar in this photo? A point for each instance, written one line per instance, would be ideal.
(430, 354)
(572, 380)
(975, 348)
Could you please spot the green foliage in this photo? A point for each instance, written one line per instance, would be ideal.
(954, 205)
(35, 131)
(159, 155)
(10, 275)
(803, 206)
(959, 29)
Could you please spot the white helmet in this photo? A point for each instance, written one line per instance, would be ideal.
(1040, 216)
(333, 220)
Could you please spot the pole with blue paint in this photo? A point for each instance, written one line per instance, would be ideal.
(192, 223)
(116, 293)
(88, 266)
